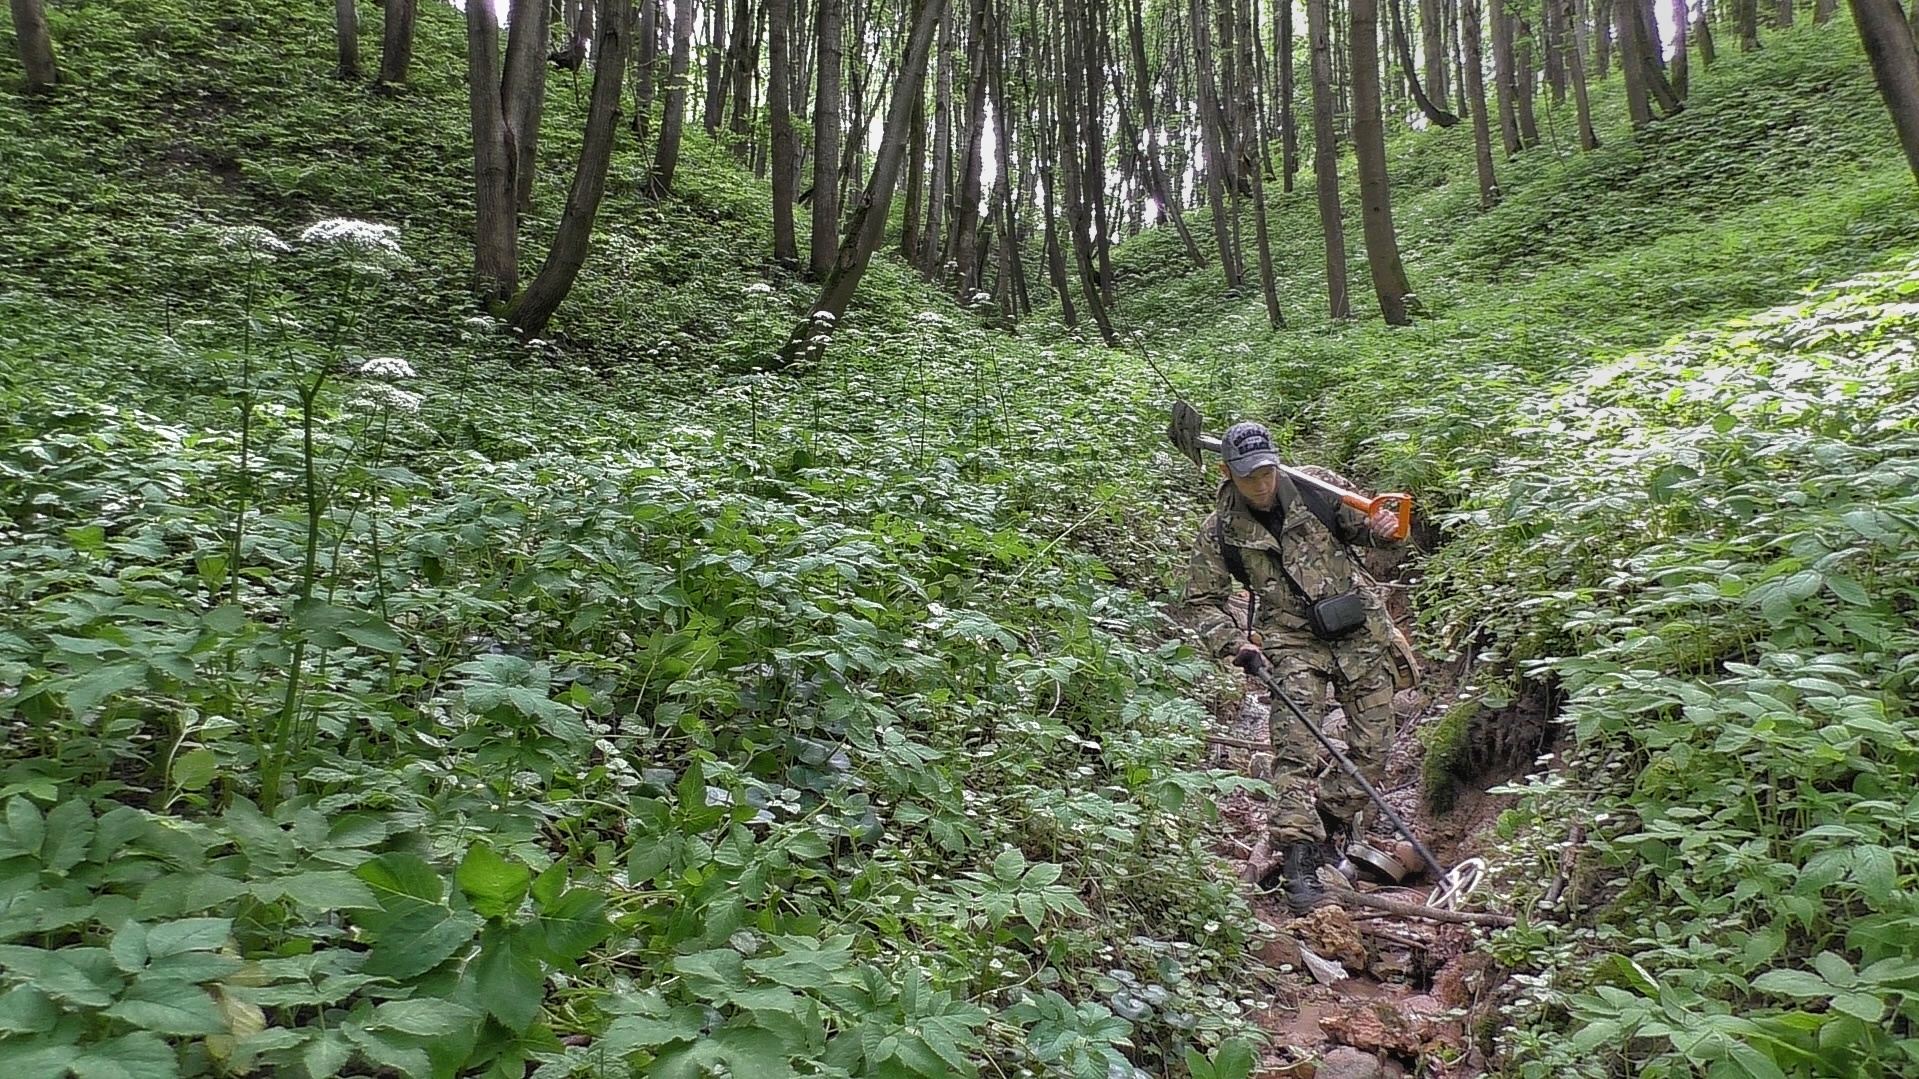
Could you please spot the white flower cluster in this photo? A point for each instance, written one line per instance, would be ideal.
(254, 239)
(387, 367)
(350, 232)
(759, 288)
(380, 395)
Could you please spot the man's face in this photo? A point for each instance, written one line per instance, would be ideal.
(1260, 487)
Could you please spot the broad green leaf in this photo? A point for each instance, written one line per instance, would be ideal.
(129, 947)
(326, 1055)
(1834, 969)
(508, 977)
(1792, 983)
(1009, 865)
(26, 1010)
(492, 884)
(139, 1055)
(55, 975)
(574, 923)
(86, 692)
(178, 894)
(423, 1016)
(1878, 875)
(169, 1007)
(398, 877)
(70, 828)
(1234, 1059)
(325, 889)
(194, 769)
(396, 1053)
(409, 946)
(188, 935)
(25, 825)
(1866, 1006)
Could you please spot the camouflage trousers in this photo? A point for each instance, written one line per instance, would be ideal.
(1303, 775)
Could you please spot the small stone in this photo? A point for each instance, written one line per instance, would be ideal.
(1349, 1063)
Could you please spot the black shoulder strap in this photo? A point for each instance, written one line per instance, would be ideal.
(1236, 565)
(1323, 504)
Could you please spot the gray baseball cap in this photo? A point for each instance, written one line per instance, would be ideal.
(1247, 446)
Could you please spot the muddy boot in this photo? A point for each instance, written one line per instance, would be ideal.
(1300, 871)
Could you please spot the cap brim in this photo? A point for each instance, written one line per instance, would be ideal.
(1246, 466)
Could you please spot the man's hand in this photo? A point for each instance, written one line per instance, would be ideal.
(1384, 523)
(1250, 659)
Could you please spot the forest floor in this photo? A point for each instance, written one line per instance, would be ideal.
(1401, 995)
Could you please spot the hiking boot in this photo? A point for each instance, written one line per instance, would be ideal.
(1300, 872)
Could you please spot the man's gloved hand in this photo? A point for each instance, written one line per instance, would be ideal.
(1250, 659)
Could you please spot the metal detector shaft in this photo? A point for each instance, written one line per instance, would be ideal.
(1432, 862)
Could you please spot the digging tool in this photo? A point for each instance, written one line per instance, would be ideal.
(1184, 431)
(1432, 862)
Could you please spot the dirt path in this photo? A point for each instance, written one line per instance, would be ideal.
(1413, 988)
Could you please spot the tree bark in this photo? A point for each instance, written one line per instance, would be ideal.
(743, 65)
(716, 70)
(1645, 31)
(1476, 101)
(1093, 129)
(1822, 11)
(396, 42)
(646, 66)
(1746, 17)
(1249, 134)
(1783, 14)
(1679, 70)
(573, 237)
(496, 234)
(1369, 147)
(1326, 158)
(1212, 125)
(1524, 83)
(1552, 22)
(942, 167)
(1576, 71)
(1432, 112)
(1602, 38)
(1079, 198)
(1702, 29)
(346, 40)
(1505, 82)
(523, 91)
(867, 226)
(1638, 100)
(784, 154)
(1432, 40)
(36, 46)
(666, 156)
(1164, 198)
(826, 138)
(1895, 67)
(966, 213)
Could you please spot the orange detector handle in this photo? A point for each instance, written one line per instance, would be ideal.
(1399, 502)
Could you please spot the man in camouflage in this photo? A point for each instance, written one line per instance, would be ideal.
(1290, 559)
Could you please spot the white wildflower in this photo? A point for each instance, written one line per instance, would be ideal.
(929, 318)
(758, 288)
(379, 395)
(388, 367)
(251, 238)
(366, 235)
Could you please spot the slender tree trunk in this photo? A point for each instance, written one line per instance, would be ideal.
(1369, 147)
(496, 235)
(913, 212)
(1432, 112)
(36, 46)
(1476, 102)
(523, 92)
(1822, 11)
(346, 39)
(1552, 23)
(1702, 29)
(666, 156)
(1079, 209)
(937, 196)
(1895, 66)
(1783, 16)
(1679, 70)
(966, 213)
(743, 65)
(572, 238)
(396, 42)
(1007, 287)
(1432, 40)
(1326, 158)
(1505, 81)
(1602, 38)
(867, 226)
(826, 138)
(1288, 119)
(1093, 131)
(1525, 84)
(716, 69)
(1249, 132)
(1212, 125)
(646, 59)
(1164, 198)
(1638, 101)
(1645, 30)
(1576, 70)
(1746, 16)
(784, 153)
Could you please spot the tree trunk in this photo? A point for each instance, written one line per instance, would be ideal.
(1288, 121)
(1638, 101)
(1007, 287)
(1432, 41)
(1576, 70)
(1432, 112)
(716, 70)
(1212, 127)
(1505, 81)
(396, 42)
(1679, 70)
(1249, 132)
(1746, 17)
(495, 231)
(1079, 199)
(1369, 147)
(1822, 11)
(346, 40)
(966, 214)
(1702, 29)
(1645, 30)
(743, 64)
(1783, 15)
(867, 226)
(523, 92)
(1093, 129)
(1895, 66)
(646, 61)
(1163, 197)
(1524, 84)
(1476, 101)
(826, 138)
(1552, 22)
(1326, 158)
(935, 225)
(784, 154)
(912, 213)
(666, 156)
(1602, 38)
(572, 238)
(36, 46)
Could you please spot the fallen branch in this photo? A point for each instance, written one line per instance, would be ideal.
(1415, 910)
(1237, 743)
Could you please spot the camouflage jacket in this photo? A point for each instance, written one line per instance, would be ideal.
(1313, 555)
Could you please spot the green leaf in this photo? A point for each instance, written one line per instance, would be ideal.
(177, 894)
(1010, 865)
(26, 1010)
(1757, 1064)
(1234, 1059)
(426, 1017)
(398, 877)
(574, 924)
(1878, 875)
(492, 884)
(54, 974)
(389, 1052)
(326, 889)
(139, 1055)
(194, 769)
(1866, 1006)
(326, 1055)
(188, 935)
(129, 947)
(1792, 983)
(87, 691)
(420, 940)
(1834, 969)
(508, 976)
(69, 833)
(25, 825)
(169, 1007)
